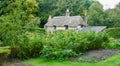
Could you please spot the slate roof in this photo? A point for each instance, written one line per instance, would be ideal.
(97, 29)
(65, 20)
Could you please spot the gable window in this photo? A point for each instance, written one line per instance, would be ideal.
(66, 27)
(54, 26)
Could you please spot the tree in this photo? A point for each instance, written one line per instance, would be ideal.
(16, 15)
(112, 17)
(96, 14)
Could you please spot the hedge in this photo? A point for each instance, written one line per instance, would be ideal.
(113, 32)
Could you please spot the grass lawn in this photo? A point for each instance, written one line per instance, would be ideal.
(112, 61)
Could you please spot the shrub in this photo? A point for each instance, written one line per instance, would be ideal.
(58, 46)
(30, 48)
(65, 44)
(90, 41)
(23, 51)
(113, 44)
(113, 32)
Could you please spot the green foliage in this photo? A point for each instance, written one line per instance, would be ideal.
(4, 53)
(95, 14)
(90, 41)
(39, 30)
(58, 46)
(63, 45)
(31, 48)
(9, 33)
(112, 17)
(113, 32)
(113, 44)
(13, 17)
(5, 50)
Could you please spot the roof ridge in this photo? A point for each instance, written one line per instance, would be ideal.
(64, 20)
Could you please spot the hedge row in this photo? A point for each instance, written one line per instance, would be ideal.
(113, 32)
(62, 45)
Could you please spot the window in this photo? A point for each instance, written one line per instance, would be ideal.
(54, 26)
(82, 26)
(66, 27)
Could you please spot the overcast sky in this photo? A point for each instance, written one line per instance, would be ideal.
(109, 3)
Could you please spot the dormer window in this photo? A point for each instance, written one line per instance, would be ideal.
(54, 26)
(66, 27)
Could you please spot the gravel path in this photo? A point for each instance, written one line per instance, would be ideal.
(96, 55)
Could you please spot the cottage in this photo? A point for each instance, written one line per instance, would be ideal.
(66, 22)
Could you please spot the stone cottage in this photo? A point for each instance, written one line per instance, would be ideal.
(68, 22)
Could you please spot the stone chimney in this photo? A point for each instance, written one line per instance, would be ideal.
(49, 17)
(86, 19)
(67, 12)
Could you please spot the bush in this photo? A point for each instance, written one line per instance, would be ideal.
(10, 33)
(113, 32)
(62, 45)
(113, 44)
(58, 46)
(90, 41)
(23, 45)
(31, 48)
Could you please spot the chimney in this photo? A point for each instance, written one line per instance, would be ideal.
(67, 12)
(85, 19)
(49, 17)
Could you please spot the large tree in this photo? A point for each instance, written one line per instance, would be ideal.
(95, 14)
(112, 17)
(15, 15)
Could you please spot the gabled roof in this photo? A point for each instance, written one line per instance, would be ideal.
(97, 29)
(65, 20)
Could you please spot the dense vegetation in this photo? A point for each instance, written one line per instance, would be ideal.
(114, 32)
(20, 21)
(63, 45)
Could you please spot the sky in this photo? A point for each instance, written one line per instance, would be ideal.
(109, 3)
